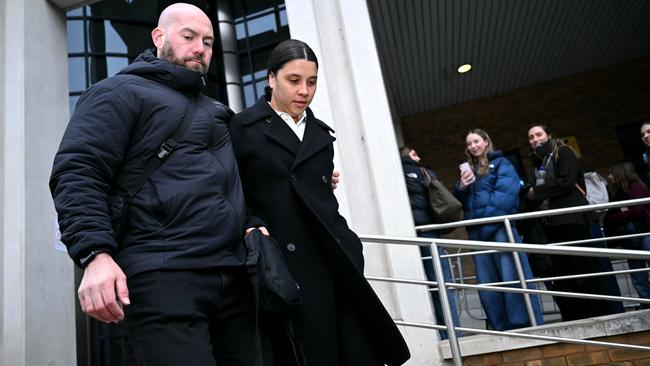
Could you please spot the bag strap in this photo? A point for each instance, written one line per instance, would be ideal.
(426, 174)
(164, 150)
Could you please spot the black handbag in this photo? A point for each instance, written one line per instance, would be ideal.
(276, 290)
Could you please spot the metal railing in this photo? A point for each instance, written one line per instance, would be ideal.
(481, 247)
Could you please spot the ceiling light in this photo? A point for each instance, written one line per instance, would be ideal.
(464, 68)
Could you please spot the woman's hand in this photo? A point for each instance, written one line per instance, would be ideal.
(260, 228)
(466, 178)
(336, 178)
(530, 194)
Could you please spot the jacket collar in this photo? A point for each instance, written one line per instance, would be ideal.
(149, 66)
(317, 133)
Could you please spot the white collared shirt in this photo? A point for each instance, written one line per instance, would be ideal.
(297, 127)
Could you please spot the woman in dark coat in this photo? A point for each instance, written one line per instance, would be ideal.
(559, 182)
(285, 162)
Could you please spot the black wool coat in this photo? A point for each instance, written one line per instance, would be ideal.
(561, 191)
(287, 187)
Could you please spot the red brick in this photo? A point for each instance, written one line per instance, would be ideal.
(522, 355)
(627, 354)
(556, 361)
(581, 359)
(553, 350)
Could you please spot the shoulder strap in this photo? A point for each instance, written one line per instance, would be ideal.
(164, 150)
(426, 174)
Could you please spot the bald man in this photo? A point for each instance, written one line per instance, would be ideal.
(168, 256)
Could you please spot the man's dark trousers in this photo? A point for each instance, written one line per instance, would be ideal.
(197, 317)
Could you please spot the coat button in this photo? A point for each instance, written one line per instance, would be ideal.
(291, 247)
(268, 119)
(324, 179)
(294, 178)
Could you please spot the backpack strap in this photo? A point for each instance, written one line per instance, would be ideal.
(166, 148)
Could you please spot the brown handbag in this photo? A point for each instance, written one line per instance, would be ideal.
(445, 207)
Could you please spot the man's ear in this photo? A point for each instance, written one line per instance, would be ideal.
(158, 38)
(271, 80)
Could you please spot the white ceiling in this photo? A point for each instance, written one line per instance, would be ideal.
(510, 43)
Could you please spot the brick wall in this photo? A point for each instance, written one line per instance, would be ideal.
(563, 354)
(588, 106)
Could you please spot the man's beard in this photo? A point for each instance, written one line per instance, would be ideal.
(167, 53)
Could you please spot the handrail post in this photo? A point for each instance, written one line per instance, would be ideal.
(520, 273)
(446, 308)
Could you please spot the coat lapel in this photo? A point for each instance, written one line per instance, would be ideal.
(272, 125)
(278, 131)
(316, 138)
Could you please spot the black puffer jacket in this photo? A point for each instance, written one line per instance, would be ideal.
(416, 185)
(190, 214)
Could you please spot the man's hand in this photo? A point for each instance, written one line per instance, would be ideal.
(102, 285)
(335, 178)
(260, 228)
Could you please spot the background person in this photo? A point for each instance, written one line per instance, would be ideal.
(285, 157)
(490, 187)
(556, 173)
(188, 300)
(625, 184)
(418, 191)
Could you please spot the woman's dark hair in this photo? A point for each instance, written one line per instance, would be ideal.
(404, 151)
(542, 126)
(287, 51)
(622, 174)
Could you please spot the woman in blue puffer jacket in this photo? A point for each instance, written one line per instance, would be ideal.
(490, 187)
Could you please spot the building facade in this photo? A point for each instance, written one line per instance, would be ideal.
(55, 49)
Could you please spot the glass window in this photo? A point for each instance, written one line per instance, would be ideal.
(75, 31)
(262, 24)
(284, 21)
(115, 64)
(76, 73)
(259, 86)
(76, 12)
(240, 31)
(249, 95)
(114, 42)
(73, 102)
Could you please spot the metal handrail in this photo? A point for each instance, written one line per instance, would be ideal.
(489, 247)
(535, 214)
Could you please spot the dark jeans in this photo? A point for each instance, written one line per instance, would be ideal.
(200, 317)
(435, 295)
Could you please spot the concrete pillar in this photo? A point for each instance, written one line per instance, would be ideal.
(38, 295)
(230, 56)
(351, 97)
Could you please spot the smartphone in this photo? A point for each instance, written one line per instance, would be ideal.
(464, 167)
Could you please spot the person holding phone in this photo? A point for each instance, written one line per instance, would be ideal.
(488, 185)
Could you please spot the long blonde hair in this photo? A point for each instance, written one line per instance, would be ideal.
(480, 162)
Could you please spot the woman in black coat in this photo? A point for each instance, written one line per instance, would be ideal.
(559, 182)
(285, 162)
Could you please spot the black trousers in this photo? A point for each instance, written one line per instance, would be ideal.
(574, 308)
(199, 318)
